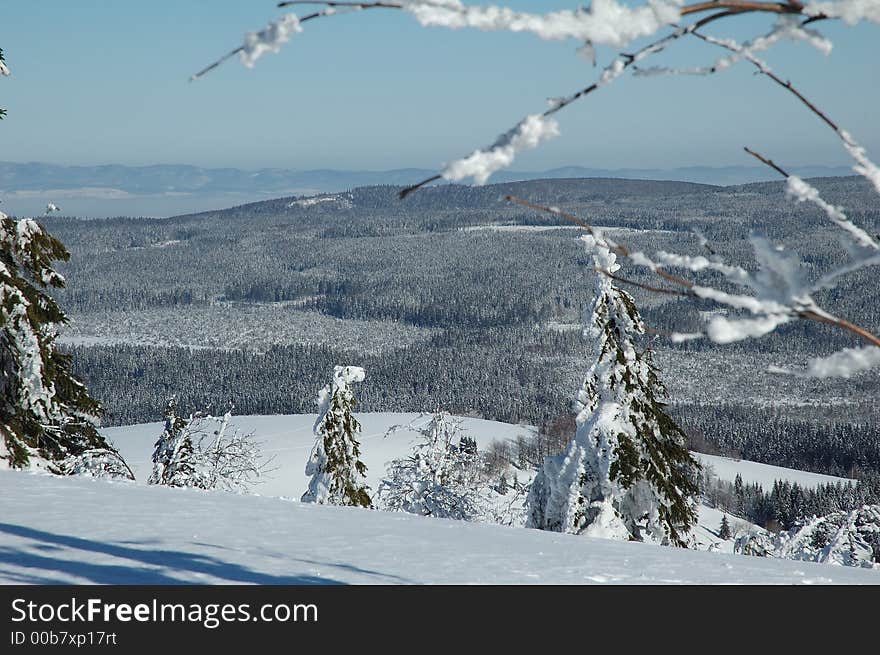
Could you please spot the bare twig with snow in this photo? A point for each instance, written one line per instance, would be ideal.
(863, 164)
(779, 297)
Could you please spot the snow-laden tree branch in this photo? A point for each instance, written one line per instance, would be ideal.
(4, 72)
(788, 27)
(863, 165)
(776, 294)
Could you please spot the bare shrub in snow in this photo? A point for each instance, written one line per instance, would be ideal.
(190, 454)
(438, 479)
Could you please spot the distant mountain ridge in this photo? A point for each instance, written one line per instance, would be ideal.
(169, 189)
(170, 178)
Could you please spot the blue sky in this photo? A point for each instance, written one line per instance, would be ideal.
(107, 82)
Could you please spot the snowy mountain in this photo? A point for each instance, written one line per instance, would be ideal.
(81, 530)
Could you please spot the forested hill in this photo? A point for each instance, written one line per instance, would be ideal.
(441, 292)
(456, 196)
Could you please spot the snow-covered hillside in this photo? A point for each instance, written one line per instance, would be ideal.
(79, 530)
(726, 468)
(288, 439)
(57, 530)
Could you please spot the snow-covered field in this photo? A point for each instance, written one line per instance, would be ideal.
(726, 468)
(81, 530)
(254, 327)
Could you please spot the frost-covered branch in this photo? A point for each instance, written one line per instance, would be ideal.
(788, 27)
(605, 22)
(866, 250)
(779, 292)
(844, 363)
(477, 163)
(530, 132)
(863, 164)
(4, 72)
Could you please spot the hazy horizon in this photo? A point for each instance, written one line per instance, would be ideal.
(163, 190)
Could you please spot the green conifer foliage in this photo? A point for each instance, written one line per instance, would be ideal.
(337, 473)
(46, 414)
(627, 473)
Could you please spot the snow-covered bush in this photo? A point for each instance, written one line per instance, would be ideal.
(843, 538)
(175, 460)
(97, 463)
(337, 473)
(190, 454)
(627, 473)
(47, 417)
(439, 478)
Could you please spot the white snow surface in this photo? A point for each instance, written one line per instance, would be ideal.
(81, 530)
(726, 468)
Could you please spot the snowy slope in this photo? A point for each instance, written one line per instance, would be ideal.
(65, 530)
(288, 439)
(726, 468)
(709, 523)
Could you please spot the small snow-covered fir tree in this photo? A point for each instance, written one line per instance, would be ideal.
(438, 479)
(337, 473)
(47, 418)
(627, 473)
(724, 532)
(176, 462)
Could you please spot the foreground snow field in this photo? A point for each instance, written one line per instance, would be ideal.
(57, 530)
(80, 530)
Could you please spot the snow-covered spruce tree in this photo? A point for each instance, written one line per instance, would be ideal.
(724, 532)
(337, 473)
(437, 479)
(47, 418)
(176, 461)
(627, 473)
